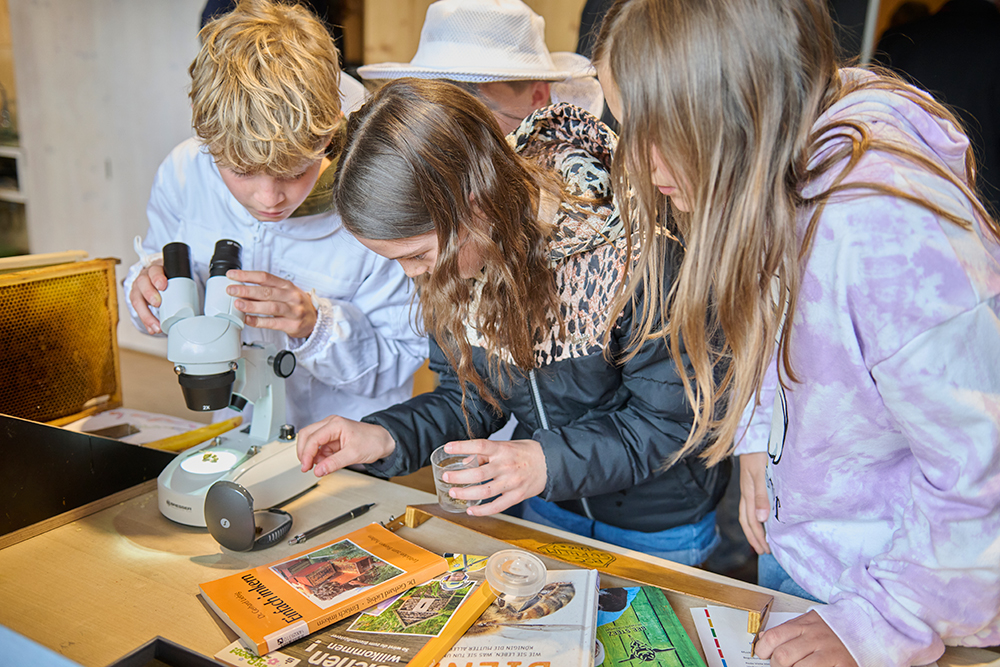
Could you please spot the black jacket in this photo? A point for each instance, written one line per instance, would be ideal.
(610, 424)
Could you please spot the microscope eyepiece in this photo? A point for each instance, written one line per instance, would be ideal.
(177, 260)
(226, 257)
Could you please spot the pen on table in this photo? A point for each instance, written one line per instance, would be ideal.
(332, 523)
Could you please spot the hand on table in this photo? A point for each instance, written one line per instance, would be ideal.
(514, 470)
(336, 442)
(146, 292)
(806, 641)
(754, 503)
(271, 302)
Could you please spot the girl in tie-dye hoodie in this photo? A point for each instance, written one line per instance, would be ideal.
(839, 301)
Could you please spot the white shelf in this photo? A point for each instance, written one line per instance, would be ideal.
(15, 194)
(12, 195)
(11, 151)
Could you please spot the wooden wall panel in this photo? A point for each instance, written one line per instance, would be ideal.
(353, 19)
(7, 61)
(392, 29)
(562, 22)
(888, 7)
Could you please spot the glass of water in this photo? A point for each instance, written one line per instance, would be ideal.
(441, 462)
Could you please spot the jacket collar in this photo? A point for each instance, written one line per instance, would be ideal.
(568, 133)
(314, 219)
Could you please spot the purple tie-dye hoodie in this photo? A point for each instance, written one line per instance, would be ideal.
(884, 469)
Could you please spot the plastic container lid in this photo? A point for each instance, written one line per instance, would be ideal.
(515, 573)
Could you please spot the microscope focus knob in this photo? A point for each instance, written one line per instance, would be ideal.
(284, 363)
(287, 432)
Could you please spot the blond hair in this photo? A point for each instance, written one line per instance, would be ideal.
(265, 88)
(728, 92)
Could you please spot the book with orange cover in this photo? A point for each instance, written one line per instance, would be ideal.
(414, 629)
(273, 605)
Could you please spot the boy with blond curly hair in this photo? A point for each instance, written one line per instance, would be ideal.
(266, 109)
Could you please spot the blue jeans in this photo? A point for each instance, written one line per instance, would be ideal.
(771, 575)
(689, 544)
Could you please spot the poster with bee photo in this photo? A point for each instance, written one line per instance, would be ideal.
(555, 627)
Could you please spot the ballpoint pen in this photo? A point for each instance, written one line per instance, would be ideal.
(332, 523)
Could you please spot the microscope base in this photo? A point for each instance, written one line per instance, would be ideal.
(271, 475)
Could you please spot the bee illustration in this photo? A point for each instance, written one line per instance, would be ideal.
(644, 652)
(509, 613)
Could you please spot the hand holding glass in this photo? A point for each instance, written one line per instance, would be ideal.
(441, 462)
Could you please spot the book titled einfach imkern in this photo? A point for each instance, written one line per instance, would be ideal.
(273, 605)
(413, 629)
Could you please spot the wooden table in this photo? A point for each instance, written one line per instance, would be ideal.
(99, 587)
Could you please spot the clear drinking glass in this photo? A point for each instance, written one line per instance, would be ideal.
(442, 461)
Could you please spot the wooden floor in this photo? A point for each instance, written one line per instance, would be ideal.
(149, 384)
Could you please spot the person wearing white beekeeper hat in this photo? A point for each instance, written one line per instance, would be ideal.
(496, 50)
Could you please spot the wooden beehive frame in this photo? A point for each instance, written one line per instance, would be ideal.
(106, 332)
(757, 605)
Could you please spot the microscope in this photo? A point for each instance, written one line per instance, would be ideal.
(216, 370)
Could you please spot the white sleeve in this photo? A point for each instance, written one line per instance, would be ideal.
(754, 430)
(368, 345)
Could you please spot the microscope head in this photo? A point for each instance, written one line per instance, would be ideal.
(205, 348)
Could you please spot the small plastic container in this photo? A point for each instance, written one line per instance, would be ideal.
(515, 573)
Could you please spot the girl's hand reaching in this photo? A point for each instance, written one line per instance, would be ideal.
(337, 442)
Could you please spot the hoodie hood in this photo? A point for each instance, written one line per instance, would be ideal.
(579, 147)
(894, 118)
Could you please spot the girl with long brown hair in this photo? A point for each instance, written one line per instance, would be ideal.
(517, 251)
(834, 239)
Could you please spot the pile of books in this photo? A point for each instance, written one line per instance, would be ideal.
(372, 598)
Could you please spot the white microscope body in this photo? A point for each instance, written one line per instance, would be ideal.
(216, 370)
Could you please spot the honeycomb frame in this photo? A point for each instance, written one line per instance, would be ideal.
(58, 327)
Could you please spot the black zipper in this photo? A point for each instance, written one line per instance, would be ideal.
(543, 420)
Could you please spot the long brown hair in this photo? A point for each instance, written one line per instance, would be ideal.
(425, 156)
(728, 92)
